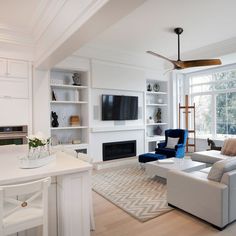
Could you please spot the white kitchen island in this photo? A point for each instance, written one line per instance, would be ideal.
(69, 194)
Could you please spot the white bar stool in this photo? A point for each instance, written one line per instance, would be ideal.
(17, 215)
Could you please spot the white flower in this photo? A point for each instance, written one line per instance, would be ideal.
(40, 136)
(31, 137)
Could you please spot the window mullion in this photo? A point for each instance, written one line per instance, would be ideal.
(214, 124)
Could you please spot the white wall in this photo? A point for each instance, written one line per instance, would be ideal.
(117, 79)
(107, 135)
(96, 111)
(109, 75)
(107, 78)
(97, 139)
(41, 98)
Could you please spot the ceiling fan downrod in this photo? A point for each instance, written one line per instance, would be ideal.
(178, 31)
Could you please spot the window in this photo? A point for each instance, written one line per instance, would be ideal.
(214, 94)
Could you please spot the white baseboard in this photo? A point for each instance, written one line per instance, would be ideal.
(115, 163)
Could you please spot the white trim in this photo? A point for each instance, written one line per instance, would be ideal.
(53, 7)
(13, 35)
(222, 68)
(213, 93)
(115, 129)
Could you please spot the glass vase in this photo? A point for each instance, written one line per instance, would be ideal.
(38, 152)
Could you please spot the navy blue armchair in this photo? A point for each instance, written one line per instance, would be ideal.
(179, 149)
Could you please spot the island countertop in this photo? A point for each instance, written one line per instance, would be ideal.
(11, 173)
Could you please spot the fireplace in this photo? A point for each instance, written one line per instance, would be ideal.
(116, 150)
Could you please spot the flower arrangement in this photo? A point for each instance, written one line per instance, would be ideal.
(37, 140)
(38, 146)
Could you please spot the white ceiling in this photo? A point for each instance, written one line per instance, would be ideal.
(209, 26)
(18, 13)
(150, 26)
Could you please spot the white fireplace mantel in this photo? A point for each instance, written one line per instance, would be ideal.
(117, 128)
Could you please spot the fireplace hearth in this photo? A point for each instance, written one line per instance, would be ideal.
(117, 150)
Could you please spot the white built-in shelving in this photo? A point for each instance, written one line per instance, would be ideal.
(70, 100)
(69, 127)
(154, 100)
(155, 124)
(156, 93)
(156, 105)
(68, 86)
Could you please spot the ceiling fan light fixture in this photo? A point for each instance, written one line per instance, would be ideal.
(179, 64)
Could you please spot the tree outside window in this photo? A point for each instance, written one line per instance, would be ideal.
(214, 95)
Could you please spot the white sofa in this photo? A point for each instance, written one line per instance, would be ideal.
(214, 202)
(208, 157)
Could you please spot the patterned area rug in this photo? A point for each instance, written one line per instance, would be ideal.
(130, 189)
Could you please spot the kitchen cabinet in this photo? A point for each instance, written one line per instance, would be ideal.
(14, 68)
(14, 88)
(14, 112)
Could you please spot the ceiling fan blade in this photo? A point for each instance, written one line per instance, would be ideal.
(165, 58)
(196, 63)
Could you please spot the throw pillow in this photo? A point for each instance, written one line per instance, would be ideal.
(229, 147)
(221, 167)
(224, 147)
(171, 142)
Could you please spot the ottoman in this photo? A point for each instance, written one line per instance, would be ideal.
(146, 157)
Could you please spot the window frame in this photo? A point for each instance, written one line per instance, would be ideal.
(213, 93)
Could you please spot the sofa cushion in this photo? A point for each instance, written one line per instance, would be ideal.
(210, 157)
(199, 174)
(221, 167)
(205, 170)
(172, 142)
(229, 147)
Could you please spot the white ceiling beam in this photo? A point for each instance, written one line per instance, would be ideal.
(101, 15)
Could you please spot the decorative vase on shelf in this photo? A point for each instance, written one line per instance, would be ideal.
(158, 130)
(156, 87)
(76, 79)
(54, 122)
(158, 115)
(150, 120)
(149, 88)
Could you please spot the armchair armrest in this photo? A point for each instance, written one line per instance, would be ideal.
(161, 144)
(199, 196)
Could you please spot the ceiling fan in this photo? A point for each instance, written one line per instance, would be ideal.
(186, 64)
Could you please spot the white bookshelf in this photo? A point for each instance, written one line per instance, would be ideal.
(69, 127)
(155, 124)
(68, 102)
(71, 100)
(153, 101)
(68, 86)
(156, 105)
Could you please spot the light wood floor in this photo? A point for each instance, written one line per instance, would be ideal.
(112, 221)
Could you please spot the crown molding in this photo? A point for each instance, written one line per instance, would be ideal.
(217, 49)
(13, 35)
(43, 16)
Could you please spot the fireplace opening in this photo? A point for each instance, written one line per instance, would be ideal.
(117, 150)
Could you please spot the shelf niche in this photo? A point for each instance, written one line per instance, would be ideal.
(69, 100)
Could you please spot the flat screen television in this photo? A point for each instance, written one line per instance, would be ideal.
(116, 107)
